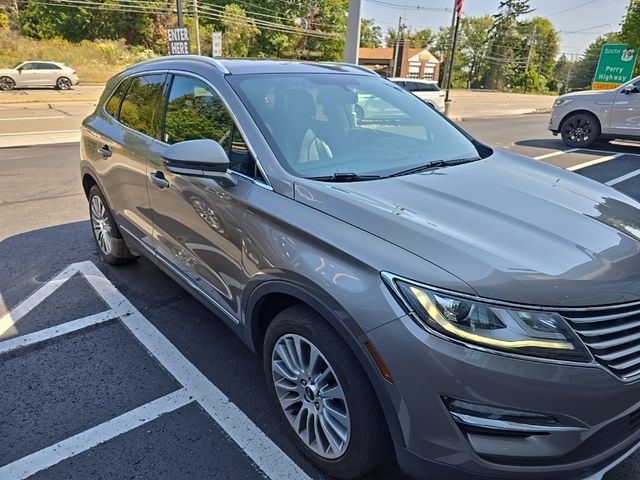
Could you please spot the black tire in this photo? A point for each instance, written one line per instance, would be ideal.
(63, 83)
(7, 83)
(112, 247)
(369, 443)
(580, 129)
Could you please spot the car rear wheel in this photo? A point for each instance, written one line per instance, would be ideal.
(63, 83)
(323, 395)
(7, 83)
(580, 130)
(111, 245)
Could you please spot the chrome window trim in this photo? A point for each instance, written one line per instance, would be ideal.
(266, 184)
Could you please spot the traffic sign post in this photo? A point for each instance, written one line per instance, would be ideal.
(615, 66)
(216, 44)
(179, 41)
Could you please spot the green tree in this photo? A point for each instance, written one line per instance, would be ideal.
(539, 43)
(470, 63)
(585, 68)
(505, 47)
(370, 34)
(239, 31)
(4, 21)
(631, 29)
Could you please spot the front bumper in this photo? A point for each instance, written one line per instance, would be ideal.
(425, 368)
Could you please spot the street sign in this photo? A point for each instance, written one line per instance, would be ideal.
(615, 66)
(216, 43)
(179, 41)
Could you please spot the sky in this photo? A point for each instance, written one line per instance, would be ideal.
(579, 22)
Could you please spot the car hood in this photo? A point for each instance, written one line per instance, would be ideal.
(8, 71)
(510, 227)
(592, 95)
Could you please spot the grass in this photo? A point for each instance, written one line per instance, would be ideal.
(94, 60)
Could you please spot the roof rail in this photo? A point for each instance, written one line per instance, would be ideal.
(201, 58)
(352, 65)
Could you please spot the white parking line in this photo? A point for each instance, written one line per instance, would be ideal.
(555, 154)
(38, 132)
(58, 330)
(9, 319)
(595, 161)
(32, 118)
(622, 178)
(253, 441)
(83, 441)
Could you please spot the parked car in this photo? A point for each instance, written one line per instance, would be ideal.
(582, 118)
(38, 74)
(426, 90)
(410, 290)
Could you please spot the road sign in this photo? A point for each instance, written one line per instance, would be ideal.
(615, 66)
(179, 41)
(216, 43)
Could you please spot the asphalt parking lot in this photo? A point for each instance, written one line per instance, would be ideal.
(116, 372)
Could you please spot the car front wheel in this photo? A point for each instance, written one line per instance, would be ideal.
(110, 243)
(323, 395)
(580, 130)
(7, 83)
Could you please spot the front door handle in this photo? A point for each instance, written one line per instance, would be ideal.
(104, 151)
(159, 180)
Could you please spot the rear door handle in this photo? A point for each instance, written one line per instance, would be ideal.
(159, 180)
(104, 151)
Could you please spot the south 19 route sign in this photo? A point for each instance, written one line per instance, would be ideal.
(615, 66)
(179, 41)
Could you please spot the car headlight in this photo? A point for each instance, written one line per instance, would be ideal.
(526, 332)
(561, 101)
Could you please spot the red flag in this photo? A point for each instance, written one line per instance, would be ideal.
(459, 8)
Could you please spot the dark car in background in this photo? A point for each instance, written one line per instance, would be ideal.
(411, 291)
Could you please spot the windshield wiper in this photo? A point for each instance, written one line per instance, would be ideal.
(434, 164)
(345, 177)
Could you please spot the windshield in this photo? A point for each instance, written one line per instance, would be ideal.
(322, 124)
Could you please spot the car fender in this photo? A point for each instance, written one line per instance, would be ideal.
(339, 319)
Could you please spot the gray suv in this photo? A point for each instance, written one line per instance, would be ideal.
(411, 291)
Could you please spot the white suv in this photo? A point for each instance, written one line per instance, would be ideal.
(582, 118)
(38, 74)
(426, 90)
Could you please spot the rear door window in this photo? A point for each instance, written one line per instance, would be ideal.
(113, 105)
(141, 103)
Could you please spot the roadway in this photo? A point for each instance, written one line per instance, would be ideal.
(58, 382)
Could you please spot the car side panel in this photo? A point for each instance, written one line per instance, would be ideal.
(123, 175)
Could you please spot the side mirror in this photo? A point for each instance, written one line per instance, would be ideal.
(629, 89)
(199, 158)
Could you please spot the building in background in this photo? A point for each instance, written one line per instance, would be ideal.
(412, 62)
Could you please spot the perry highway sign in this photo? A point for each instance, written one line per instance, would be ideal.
(179, 41)
(615, 66)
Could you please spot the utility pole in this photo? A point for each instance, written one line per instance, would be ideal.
(179, 10)
(352, 44)
(196, 25)
(532, 44)
(394, 72)
(447, 59)
(458, 13)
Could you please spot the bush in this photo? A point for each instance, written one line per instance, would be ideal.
(94, 60)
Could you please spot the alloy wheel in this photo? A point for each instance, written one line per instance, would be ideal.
(101, 226)
(578, 129)
(6, 83)
(63, 83)
(311, 396)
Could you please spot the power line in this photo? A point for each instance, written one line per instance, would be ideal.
(572, 8)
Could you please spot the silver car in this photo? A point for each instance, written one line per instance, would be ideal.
(410, 291)
(38, 74)
(582, 118)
